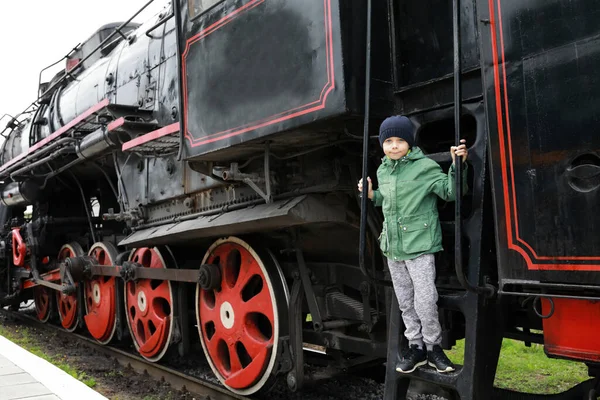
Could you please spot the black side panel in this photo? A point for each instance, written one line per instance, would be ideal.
(256, 67)
(543, 96)
(424, 48)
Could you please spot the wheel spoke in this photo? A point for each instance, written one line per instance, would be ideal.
(161, 290)
(132, 298)
(155, 261)
(214, 341)
(246, 274)
(210, 314)
(234, 359)
(135, 325)
(221, 360)
(156, 319)
(252, 373)
(260, 303)
(253, 347)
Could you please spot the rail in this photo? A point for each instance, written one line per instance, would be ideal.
(175, 378)
(487, 290)
(69, 74)
(364, 211)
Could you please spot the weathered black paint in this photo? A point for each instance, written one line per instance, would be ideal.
(253, 68)
(542, 92)
(423, 39)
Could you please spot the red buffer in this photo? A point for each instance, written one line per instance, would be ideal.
(572, 329)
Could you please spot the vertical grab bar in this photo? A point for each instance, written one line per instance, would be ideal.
(487, 290)
(365, 156)
(365, 153)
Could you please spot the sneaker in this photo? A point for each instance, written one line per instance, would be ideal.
(437, 359)
(411, 359)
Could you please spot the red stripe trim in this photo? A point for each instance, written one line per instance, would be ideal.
(117, 123)
(58, 133)
(499, 121)
(223, 21)
(508, 197)
(273, 119)
(148, 137)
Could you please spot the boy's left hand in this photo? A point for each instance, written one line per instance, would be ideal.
(459, 151)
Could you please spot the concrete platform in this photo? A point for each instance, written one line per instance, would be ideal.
(26, 376)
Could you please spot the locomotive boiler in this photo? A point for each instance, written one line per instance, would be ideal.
(189, 182)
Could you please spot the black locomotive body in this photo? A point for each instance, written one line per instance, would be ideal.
(200, 170)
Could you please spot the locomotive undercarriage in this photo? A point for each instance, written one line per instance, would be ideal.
(72, 266)
(323, 300)
(291, 228)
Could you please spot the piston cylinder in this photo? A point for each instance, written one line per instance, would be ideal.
(20, 193)
(99, 142)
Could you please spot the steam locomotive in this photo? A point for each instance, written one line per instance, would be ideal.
(192, 179)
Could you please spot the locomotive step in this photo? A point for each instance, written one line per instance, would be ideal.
(117, 111)
(131, 128)
(429, 374)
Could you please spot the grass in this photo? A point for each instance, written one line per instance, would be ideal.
(529, 370)
(22, 338)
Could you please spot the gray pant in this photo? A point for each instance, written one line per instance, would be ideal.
(414, 284)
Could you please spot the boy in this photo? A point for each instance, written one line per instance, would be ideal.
(408, 185)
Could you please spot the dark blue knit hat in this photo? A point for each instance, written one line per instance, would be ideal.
(399, 126)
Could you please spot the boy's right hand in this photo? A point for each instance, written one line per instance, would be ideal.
(360, 187)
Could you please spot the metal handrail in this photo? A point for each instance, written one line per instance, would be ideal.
(100, 46)
(363, 203)
(161, 21)
(74, 49)
(487, 290)
(80, 63)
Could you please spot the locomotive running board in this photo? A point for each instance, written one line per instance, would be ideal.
(163, 140)
(282, 214)
(88, 122)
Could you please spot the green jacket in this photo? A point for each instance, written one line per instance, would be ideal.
(407, 192)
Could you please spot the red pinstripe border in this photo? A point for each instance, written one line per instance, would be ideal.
(150, 136)
(56, 134)
(316, 105)
(508, 166)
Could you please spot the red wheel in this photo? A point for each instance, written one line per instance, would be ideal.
(100, 299)
(240, 321)
(67, 304)
(42, 297)
(148, 304)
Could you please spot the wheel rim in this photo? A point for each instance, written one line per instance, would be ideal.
(149, 305)
(42, 299)
(100, 300)
(67, 304)
(239, 324)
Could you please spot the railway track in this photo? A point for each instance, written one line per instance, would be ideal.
(177, 380)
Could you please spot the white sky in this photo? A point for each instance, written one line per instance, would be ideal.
(37, 33)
